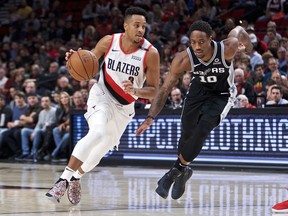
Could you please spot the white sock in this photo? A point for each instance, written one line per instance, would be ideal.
(67, 174)
(77, 174)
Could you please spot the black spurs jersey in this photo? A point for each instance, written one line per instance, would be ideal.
(216, 75)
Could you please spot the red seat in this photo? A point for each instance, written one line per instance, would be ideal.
(238, 13)
(260, 25)
(260, 35)
(282, 24)
(225, 16)
(224, 4)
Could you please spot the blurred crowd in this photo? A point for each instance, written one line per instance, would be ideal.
(37, 93)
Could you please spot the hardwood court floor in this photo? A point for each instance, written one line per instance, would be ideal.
(111, 191)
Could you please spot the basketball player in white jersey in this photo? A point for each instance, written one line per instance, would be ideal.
(210, 96)
(129, 61)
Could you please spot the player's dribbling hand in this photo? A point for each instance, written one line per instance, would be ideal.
(144, 126)
(68, 54)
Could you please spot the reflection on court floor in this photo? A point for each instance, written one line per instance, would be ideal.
(131, 191)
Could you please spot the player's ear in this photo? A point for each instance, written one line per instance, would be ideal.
(125, 26)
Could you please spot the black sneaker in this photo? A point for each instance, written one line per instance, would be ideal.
(164, 184)
(29, 158)
(21, 157)
(179, 185)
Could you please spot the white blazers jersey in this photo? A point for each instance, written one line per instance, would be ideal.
(120, 65)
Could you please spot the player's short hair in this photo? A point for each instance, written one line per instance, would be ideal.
(201, 25)
(134, 11)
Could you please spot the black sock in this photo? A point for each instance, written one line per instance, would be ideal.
(180, 166)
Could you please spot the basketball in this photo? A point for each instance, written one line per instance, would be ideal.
(82, 65)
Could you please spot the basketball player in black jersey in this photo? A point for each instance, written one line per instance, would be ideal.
(209, 98)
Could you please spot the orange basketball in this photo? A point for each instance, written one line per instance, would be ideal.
(82, 65)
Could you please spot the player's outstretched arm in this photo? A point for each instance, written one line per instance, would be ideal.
(179, 65)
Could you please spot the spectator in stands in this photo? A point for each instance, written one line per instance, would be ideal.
(255, 57)
(10, 146)
(245, 66)
(184, 85)
(3, 80)
(258, 81)
(281, 53)
(24, 10)
(103, 7)
(89, 37)
(89, 11)
(154, 38)
(284, 40)
(273, 8)
(78, 101)
(27, 120)
(156, 12)
(91, 82)
(13, 14)
(242, 86)
(272, 66)
(36, 70)
(47, 117)
(284, 68)
(259, 45)
(167, 55)
(29, 87)
(61, 131)
(176, 99)
(16, 80)
(271, 34)
(5, 116)
(206, 10)
(268, 85)
(117, 19)
(64, 85)
(181, 8)
(40, 8)
(44, 58)
(276, 96)
(272, 27)
(277, 77)
(242, 102)
(266, 56)
(273, 46)
(47, 80)
(171, 26)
